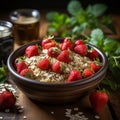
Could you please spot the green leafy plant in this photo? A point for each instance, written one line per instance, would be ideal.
(78, 20)
(3, 72)
(111, 48)
(58, 22)
(88, 24)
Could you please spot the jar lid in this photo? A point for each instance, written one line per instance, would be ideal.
(5, 28)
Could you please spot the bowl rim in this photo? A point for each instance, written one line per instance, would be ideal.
(78, 82)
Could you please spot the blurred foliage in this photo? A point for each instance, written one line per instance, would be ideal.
(78, 20)
(88, 24)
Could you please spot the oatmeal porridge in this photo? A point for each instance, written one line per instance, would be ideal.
(55, 62)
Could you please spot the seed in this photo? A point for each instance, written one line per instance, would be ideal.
(1, 118)
(52, 112)
(24, 117)
(7, 110)
(97, 117)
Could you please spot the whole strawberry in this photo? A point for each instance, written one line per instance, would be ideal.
(7, 99)
(81, 49)
(95, 67)
(53, 52)
(98, 100)
(45, 41)
(58, 67)
(64, 56)
(27, 73)
(20, 66)
(78, 42)
(74, 75)
(44, 64)
(66, 44)
(87, 72)
(49, 45)
(31, 50)
(93, 54)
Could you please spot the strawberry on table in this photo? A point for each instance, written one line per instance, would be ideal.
(44, 64)
(31, 50)
(7, 99)
(74, 75)
(98, 100)
(64, 56)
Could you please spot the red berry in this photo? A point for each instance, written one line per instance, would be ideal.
(87, 72)
(93, 54)
(53, 52)
(98, 100)
(49, 45)
(67, 39)
(74, 75)
(58, 67)
(7, 99)
(95, 67)
(66, 45)
(31, 50)
(44, 64)
(78, 42)
(64, 56)
(46, 41)
(81, 49)
(26, 72)
(20, 66)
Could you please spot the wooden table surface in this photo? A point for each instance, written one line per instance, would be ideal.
(33, 110)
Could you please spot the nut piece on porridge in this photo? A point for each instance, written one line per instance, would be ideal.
(59, 62)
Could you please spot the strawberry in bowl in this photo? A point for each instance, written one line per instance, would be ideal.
(57, 65)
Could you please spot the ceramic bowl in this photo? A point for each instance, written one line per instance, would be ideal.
(55, 93)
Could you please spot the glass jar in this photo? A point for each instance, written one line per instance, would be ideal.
(6, 40)
(26, 24)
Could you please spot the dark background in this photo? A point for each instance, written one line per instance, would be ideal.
(7, 5)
